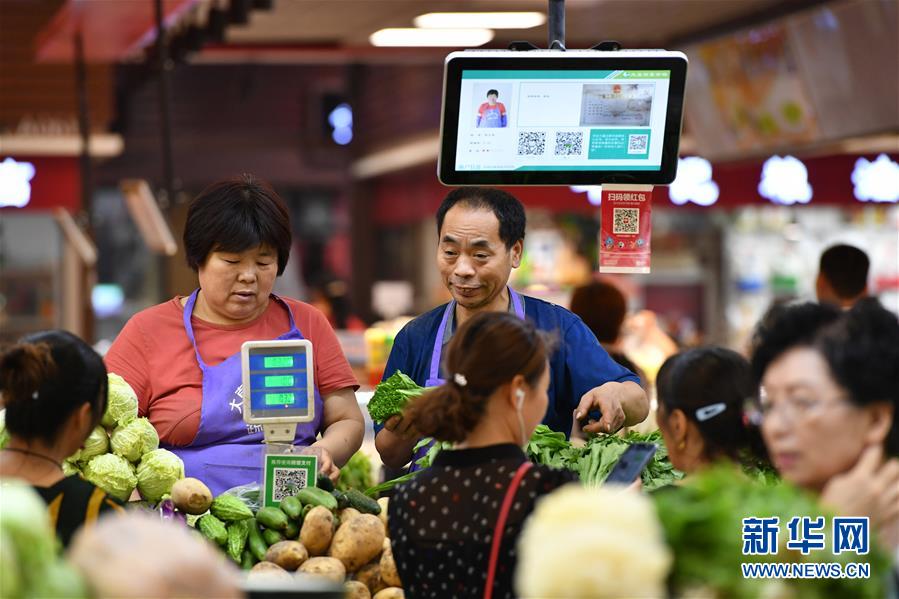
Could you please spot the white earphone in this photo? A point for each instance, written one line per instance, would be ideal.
(519, 393)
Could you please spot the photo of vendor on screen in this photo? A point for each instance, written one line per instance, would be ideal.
(617, 104)
(492, 113)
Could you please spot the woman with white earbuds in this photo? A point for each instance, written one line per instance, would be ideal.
(455, 526)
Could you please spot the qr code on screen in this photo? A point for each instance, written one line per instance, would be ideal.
(288, 481)
(569, 143)
(531, 143)
(627, 220)
(636, 144)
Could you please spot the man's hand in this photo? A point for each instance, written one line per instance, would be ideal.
(619, 403)
(401, 427)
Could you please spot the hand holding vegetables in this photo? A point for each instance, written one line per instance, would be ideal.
(609, 400)
(402, 428)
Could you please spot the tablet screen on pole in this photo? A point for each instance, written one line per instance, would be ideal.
(559, 118)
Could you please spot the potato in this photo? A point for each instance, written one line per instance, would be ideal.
(390, 593)
(356, 590)
(384, 502)
(325, 567)
(318, 528)
(191, 496)
(389, 574)
(268, 570)
(290, 555)
(370, 576)
(358, 542)
(347, 514)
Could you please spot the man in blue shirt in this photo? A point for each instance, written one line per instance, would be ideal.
(481, 238)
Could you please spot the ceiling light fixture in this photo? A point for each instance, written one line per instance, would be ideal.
(457, 38)
(487, 20)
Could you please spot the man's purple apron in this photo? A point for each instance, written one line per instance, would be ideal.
(224, 454)
(434, 379)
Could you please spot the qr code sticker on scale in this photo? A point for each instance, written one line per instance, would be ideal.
(636, 144)
(531, 143)
(287, 482)
(626, 221)
(569, 143)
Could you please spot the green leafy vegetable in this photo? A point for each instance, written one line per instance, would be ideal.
(391, 396)
(423, 462)
(4, 434)
(594, 461)
(703, 527)
(356, 473)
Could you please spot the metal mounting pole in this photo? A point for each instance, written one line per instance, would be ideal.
(556, 24)
(163, 64)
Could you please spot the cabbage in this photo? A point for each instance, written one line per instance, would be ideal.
(122, 405)
(4, 434)
(10, 576)
(26, 525)
(113, 474)
(97, 443)
(134, 439)
(60, 581)
(69, 468)
(157, 472)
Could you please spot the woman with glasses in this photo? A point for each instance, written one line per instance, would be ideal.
(701, 395)
(828, 405)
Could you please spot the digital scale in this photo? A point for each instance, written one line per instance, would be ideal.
(279, 393)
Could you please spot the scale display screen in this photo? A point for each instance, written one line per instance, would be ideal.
(278, 381)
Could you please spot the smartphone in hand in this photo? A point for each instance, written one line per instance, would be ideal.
(631, 463)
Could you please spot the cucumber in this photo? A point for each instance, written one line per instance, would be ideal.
(313, 496)
(271, 537)
(247, 560)
(292, 507)
(213, 529)
(230, 509)
(362, 502)
(340, 496)
(293, 530)
(272, 517)
(255, 542)
(324, 483)
(237, 538)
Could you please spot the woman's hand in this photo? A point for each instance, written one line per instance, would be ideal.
(870, 488)
(326, 463)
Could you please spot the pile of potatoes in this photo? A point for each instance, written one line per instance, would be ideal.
(356, 552)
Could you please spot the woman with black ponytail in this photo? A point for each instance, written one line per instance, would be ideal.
(701, 396)
(455, 527)
(53, 387)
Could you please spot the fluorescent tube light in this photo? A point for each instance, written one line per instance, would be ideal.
(487, 20)
(456, 38)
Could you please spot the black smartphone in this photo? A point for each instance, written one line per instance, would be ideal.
(631, 463)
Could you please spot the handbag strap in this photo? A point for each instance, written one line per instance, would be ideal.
(501, 525)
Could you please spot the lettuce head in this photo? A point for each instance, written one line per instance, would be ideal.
(157, 472)
(113, 474)
(121, 408)
(4, 434)
(97, 443)
(25, 526)
(134, 439)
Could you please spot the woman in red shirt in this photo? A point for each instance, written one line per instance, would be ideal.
(182, 357)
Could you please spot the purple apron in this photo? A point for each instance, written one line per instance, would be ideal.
(434, 379)
(227, 452)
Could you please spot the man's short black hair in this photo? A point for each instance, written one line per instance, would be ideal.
(846, 269)
(234, 215)
(492, 91)
(508, 211)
